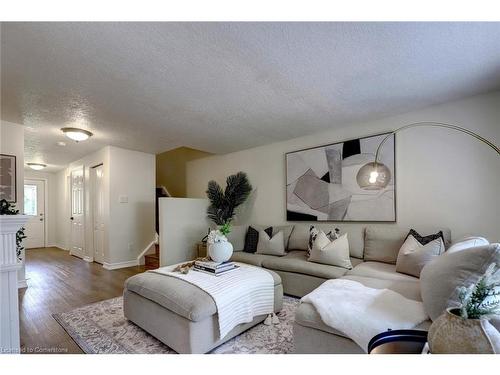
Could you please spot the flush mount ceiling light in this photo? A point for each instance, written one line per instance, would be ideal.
(76, 134)
(36, 166)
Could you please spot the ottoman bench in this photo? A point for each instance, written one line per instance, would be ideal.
(179, 314)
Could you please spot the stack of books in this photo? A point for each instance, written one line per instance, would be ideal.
(214, 268)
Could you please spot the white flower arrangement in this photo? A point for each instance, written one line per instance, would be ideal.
(216, 235)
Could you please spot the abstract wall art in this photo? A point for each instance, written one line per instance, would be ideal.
(321, 182)
(8, 178)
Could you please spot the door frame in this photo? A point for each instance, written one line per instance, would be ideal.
(46, 215)
(92, 192)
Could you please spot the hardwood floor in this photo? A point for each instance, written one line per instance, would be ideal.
(59, 282)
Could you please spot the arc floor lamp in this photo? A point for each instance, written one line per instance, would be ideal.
(375, 175)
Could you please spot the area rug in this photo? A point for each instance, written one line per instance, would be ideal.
(101, 328)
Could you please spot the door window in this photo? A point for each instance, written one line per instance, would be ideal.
(30, 201)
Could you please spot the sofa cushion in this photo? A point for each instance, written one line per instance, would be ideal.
(380, 270)
(287, 232)
(250, 258)
(237, 236)
(382, 243)
(441, 278)
(296, 261)
(306, 315)
(299, 239)
(409, 289)
(177, 295)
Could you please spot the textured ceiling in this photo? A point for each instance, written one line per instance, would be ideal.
(221, 87)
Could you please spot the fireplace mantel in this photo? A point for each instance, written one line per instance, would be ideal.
(9, 265)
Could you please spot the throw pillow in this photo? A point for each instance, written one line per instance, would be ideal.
(413, 256)
(313, 232)
(252, 239)
(441, 278)
(332, 252)
(467, 243)
(425, 239)
(271, 245)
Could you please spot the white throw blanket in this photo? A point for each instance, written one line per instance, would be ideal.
(361, 312)
(240, 295)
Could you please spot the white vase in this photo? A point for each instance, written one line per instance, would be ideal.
(220, 251)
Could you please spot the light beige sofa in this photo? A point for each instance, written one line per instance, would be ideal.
(300, 277)
(373, 251)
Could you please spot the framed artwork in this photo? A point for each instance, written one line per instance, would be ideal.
(321, 182)
(8, 178)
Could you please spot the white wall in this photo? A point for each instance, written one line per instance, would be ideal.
(62, 215)
(63, 221)
(12, 143)
(183, 223)
(51, 203)
(444, 178)
(129, 226)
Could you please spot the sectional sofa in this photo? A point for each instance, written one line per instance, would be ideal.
(373, 250)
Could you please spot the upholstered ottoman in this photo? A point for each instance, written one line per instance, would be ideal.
(179, 314)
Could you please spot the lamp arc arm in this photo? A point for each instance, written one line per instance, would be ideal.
(437, 125)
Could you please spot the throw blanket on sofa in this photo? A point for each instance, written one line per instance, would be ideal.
(361, 312)
(239, 295)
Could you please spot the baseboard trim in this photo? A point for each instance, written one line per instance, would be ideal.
(88, 259)
(115, 266)
(21, 284)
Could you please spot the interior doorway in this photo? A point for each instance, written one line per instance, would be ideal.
(97, 191)
(34, 206)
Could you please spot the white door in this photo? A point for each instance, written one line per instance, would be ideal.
(34, 206)
(98, 211)
(77, 216)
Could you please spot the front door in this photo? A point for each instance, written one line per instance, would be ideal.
(98, 210)
(34, 206)
(77, 242)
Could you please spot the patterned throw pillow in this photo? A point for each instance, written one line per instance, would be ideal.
(252, 239)
(332, 252)
(424, 240)
(313, 233)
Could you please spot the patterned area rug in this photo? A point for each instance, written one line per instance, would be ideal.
(101, 328)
